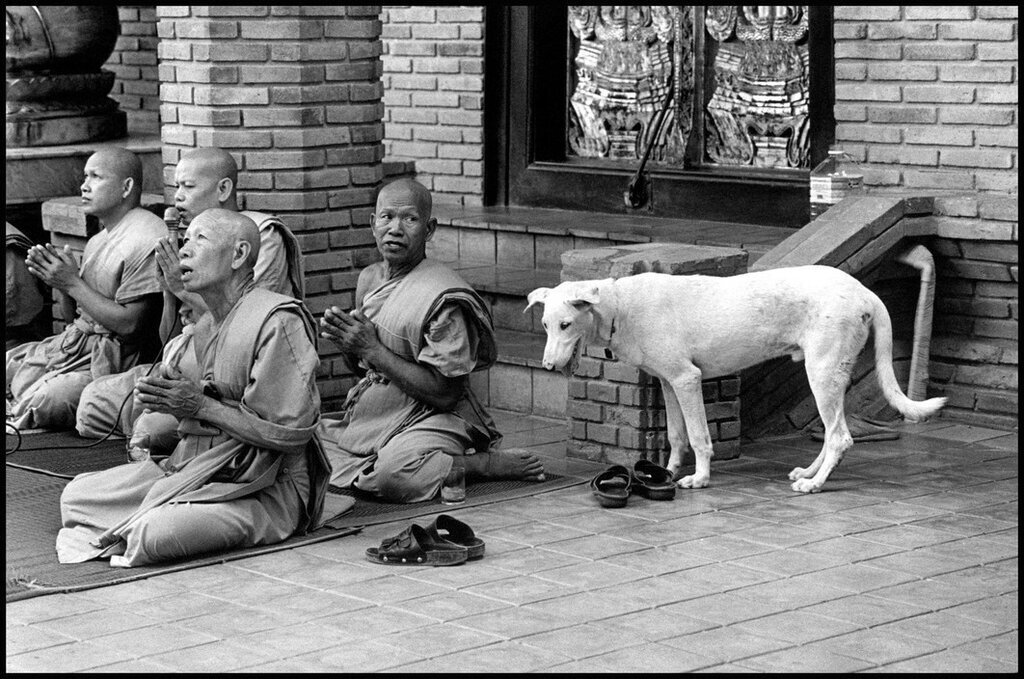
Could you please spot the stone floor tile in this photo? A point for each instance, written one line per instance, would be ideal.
(981, 581)
(726, 644)
(471, 573)
(439, 640)
(538, 559)
(51, 607)
(649, 657)
(878, 647)
(137, 666)
(450, 605)
(789, 562)
(850, 548)
(963, 432)
(801, 659)
(506, 656)
(392, 588)
(512, 622)
(307, 604)
(64, 658)
(906, 537)
(895, 512)
(581, 641)
(24, 638)
(955, 660)
(599, 520)
(534, 533)
(368, 655)
(95, 623)
(171, 608)
(654, 624)
(1001, 610)
(964, 525)
(231, 621)
(726, 668)
(595, 546)
(928, 593)
(129, 593)
(1003, 513)
(291, 640)
(795, 592)
(154, 640)
(589, 606)
(943, 629)
(724, 608)
(521, 589)
(866, 610)
(922, 563)
(1003, 647)
(591, 574)
(1004, 442)
(781, 534)
(859, 578)
(839, 523)
(667, 532)
(795, 627)
(373, 623)
(657, 560)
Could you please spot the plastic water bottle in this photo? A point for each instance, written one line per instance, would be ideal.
(835, 178)
(139, 449)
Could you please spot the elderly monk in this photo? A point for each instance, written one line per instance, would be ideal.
(249, 469)
(418, 331)
(112, 301)
(204, 178)
(24, 300)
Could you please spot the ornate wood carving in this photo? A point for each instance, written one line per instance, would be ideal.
(626, 59)
(757, 114)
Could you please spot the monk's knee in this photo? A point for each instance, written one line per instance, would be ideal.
(177, 531)
(55, 404)
(410, 479)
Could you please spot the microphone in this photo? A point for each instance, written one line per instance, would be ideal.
(172, 219)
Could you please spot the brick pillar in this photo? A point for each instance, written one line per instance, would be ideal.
(616, 412)
(294, 92)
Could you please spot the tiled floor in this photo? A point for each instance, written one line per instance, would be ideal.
(907, 562)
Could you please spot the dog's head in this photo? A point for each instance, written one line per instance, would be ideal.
(568, 320)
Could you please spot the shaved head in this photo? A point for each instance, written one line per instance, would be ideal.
(230, 228)
(411, 187)
(213, 162)
(123, 164)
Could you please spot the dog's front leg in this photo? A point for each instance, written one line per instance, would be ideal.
(676, 428)
(690, 395)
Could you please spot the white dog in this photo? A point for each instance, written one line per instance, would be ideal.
(684, 329)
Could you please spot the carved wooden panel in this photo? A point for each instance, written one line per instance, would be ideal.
(625, 60)
(757, 114)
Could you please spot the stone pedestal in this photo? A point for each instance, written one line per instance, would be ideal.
(616, 412)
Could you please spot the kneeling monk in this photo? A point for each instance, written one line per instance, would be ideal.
(249, 469)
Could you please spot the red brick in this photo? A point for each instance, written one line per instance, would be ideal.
(979, 158)
(938, 51)
(902, 114)
(977, 30)
(977, 73)
(864, 50)
(939, 94)
(902, 71)
(866, 13)
(938, 12)
(939, 136)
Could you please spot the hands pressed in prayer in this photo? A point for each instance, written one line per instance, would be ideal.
(56, 268)
(352, 332)
(167, 259)
(167, 391)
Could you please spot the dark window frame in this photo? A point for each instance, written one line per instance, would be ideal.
(525, 113)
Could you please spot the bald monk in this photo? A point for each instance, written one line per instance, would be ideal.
(112, 301)
(248, 469)
(205, 178)
(418, 331)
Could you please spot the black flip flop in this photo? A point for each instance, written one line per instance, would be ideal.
(611, 487)
(414, 546)
(653, 481)
(457, 532)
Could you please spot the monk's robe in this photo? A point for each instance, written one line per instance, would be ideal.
(278, 269)
(249, 469)
(46, 378)
(24, 298)
(389, 443)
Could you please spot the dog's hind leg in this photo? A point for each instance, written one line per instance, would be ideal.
(828, 380)
(676, 427)
(690, 396)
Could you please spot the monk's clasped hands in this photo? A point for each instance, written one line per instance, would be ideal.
(55, 267)
(167, 391)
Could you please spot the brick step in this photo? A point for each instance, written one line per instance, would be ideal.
(518, 382)
(505, 289)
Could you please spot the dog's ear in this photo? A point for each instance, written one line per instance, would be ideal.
(538, 296)
(584, 295)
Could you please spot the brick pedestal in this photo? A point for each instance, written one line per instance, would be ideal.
(616, 412)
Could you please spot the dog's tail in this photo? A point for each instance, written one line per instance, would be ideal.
(915, 411)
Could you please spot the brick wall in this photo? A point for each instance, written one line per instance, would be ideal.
(926, 96)
(974, 345)
(134, 61)
(433, 79)
(294, 93)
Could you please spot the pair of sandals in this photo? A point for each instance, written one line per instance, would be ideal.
(613, 486)
(445, 542)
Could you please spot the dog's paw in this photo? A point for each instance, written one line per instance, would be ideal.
(806, 486)
(693, 481)
(799, 473)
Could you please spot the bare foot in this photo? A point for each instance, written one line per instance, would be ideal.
(514, 463)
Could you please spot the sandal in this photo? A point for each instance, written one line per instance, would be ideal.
(414, 546)
(456, 532)
(652, 481)
(611, 487)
